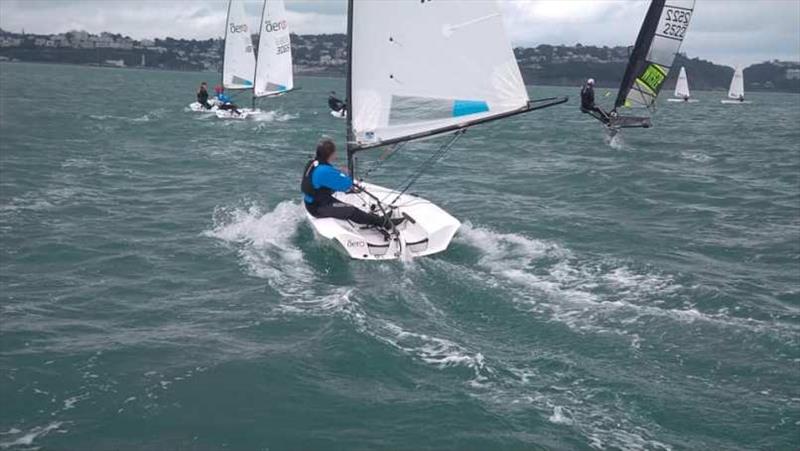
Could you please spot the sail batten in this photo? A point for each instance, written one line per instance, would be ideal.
(454, 67)
(659, 40)
(239, 63)
(273, 71)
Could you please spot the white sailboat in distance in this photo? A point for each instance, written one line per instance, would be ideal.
(682, 93)
(419, 69)
(239, 59)
(736, 91)
(273, 73)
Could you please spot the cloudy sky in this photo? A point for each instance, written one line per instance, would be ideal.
(724, 31)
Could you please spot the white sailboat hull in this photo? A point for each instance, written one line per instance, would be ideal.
(733, 101)
(428, 231)
(197, 108)
(683, 101)
(341, 114)
(244, 113)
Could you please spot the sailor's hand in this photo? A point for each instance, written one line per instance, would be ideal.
(358, 185)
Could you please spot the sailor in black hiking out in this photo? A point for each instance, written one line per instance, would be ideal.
(321, 180)
(334, 103)
(587, 102)
(202, 96)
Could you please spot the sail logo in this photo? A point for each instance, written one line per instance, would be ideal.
(653, 76)
(234, 28)
(269, 27)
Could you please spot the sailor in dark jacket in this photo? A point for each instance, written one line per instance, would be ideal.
(334, 103)
(202, 96)
(587, 101)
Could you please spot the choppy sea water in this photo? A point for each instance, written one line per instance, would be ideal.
(161, 289)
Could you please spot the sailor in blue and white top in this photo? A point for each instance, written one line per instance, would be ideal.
(225, 102)
(321, 179)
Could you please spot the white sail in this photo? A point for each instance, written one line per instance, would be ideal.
(421, 66)
(239, 65)
(274, 63)
(682, 87)
(737, 85)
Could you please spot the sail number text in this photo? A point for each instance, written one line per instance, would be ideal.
(282, 45)
(676, 23)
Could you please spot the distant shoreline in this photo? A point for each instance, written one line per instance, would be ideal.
(335, 76)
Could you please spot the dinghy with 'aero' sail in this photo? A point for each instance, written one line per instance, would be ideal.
(239, 60)
(658, 42)
(418, 69)
(273, 72)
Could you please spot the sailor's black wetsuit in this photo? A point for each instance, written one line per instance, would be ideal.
(587, 103)
(335, 104)
(202, 98)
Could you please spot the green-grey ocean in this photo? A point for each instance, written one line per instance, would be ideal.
(161, 288)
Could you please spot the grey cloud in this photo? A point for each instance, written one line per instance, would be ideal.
(731, 32)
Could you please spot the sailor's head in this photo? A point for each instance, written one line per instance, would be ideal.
(326, 150)
(590, 82)
(218, 89)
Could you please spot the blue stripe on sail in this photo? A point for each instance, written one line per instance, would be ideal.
(280, 88)
(465, 107)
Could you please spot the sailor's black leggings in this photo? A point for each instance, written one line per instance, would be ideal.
(229, 106)
(339, 210)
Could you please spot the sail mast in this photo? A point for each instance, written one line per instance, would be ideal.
(349, 91)
(224, 40)
(260, 30)
(640, 49)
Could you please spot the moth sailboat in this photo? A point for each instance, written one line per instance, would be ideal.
(417, 70)
(658, 42)
(736, 91)
(682, 93)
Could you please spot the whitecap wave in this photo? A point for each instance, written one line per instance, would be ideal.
(589, 294)
(272, 116)
(27, 438)
(614, 141)
(264, 242)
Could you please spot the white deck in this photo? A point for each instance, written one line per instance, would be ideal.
(429, 230)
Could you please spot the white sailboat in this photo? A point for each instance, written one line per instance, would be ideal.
(418, 69)
(272, 68)
(274, 74)
(239, 59)
(736, 90)
(682, 93)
